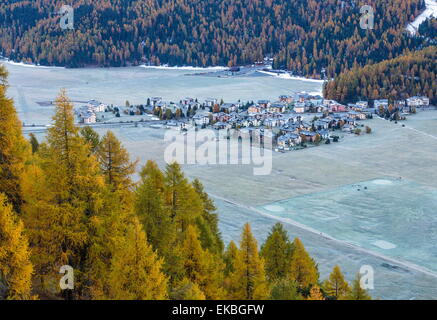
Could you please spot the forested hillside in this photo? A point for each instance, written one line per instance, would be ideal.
(304, 36)
(428, 29)
(70, 201)
(412, 74)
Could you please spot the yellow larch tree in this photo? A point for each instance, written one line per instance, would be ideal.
(202, 267)
(136, 270)
(248, 281)
(115, 162)
(14, 149)
(15, 266)
(182, 200)
(64, 191)
(303, 269)
(336, 286)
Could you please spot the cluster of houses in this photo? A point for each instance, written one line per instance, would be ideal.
(288, 116)
(408, 105)
(87, 113)
(294, 119)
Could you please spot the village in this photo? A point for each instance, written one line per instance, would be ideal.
(294, 121)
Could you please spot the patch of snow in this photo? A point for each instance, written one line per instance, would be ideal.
(28, 65)
(382, 182)
(384, 244)
(274, 208)
(288, 76)
(188, 68)
(430, 11)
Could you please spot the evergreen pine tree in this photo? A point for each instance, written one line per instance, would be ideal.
(358, 293)
(277, 252)
(230, 256)
(315, 293)
(91, 137)
(33, 142)
(149, 207)
(285, 289)
(182, 200)
(207, 222)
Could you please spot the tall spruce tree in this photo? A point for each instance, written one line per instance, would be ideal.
(207, 222)
(357, 292)
(230, 256)
(277, 251)
(33, 142)
(91, 137)
(182, 200)
(149, 207)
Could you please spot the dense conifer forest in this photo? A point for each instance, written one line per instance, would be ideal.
(308, 37)
(414, 73)
(70, 201)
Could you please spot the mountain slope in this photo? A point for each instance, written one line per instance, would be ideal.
(305, 36)
(408, 75)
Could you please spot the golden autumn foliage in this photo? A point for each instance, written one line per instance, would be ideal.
(187, 290)
(136, 269)
(315, 294)
(157, 239)
(303, 36)
(106, 230)
(114, 162)
(303, 269)
(201, 267)
(336, 286)
(248, 281)
(64, 190)
(14, 149)
(411, 74)
(15, 267)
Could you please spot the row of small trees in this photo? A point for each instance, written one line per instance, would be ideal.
(71, 201)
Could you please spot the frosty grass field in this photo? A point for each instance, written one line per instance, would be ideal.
(389, 224)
